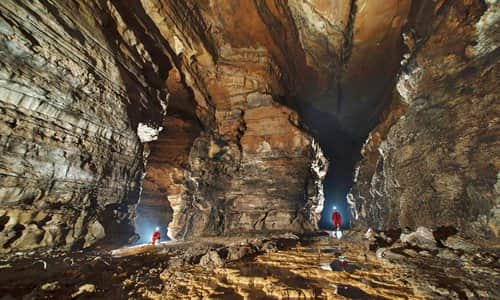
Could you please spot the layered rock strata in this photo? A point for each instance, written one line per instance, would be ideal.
(85, 84)
(253, 168)
(267, 179)
(164, 187)
(433, 160)
(76, 79)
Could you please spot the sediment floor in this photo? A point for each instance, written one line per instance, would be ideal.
(303, 272)
(259, 268)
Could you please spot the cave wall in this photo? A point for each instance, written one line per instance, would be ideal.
(253, 168)
(76, 80)
(85, 84)
(243, 60)
(433, 159)
(164, 189)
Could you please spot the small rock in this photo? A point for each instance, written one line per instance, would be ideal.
(447, 254)
(269, 247)
(393, 256)
(385, 238)
(410, 252)
(482, 294)
(211, 260)
(370, 234)
(50, 286)
(468, 293)
(238, 252)
(458, 243)
(422, 238)
(380, 253)
(176, 262)
(290, 236)
(86, 288)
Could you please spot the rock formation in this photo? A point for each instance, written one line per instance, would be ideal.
(85, 83)
(433, 159)
(254, 168)
(211, 108)
(76, 80)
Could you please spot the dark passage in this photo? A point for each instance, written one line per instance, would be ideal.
(337, 184)
(343, 150)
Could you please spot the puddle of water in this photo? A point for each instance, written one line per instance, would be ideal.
(326, 266)
(331, 250)
(336, 266)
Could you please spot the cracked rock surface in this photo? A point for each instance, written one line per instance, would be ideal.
(245, 268)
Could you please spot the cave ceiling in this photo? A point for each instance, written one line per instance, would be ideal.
(334, 61)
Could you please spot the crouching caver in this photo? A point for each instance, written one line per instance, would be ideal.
(156, 236)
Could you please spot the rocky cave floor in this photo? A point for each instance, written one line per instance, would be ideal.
(388, 265)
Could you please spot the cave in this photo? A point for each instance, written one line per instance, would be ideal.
(238, 129)
(167, 158)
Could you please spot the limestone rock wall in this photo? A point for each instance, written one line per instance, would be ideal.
(164, 188)
(433, 160)
(254, 167)
(85, 83)
(76, 78)
(258, 172)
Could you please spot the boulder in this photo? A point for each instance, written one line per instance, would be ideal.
(422, 238)
(211, 260)
(457, 243)
(239, 252)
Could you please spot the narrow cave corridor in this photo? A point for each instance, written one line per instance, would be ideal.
(164, 186)
(235, 127)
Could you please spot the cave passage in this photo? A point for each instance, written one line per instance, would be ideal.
(341, 116)
(343, 151)
(337, 184)
(341, 132)
(235, 127)
(163, 186)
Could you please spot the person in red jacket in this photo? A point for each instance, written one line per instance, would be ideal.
(336, 218)
(156, 236)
